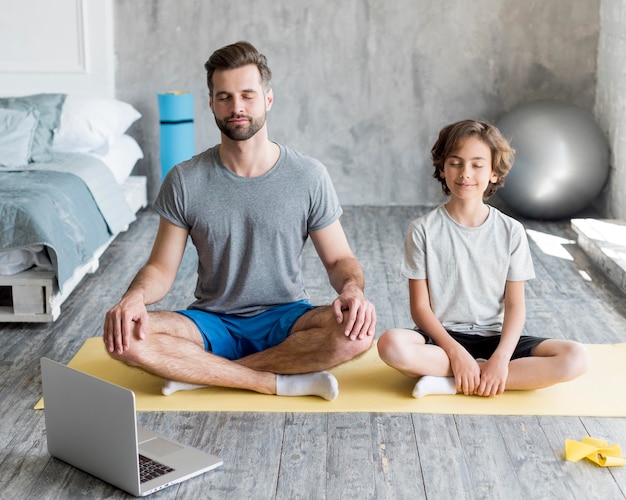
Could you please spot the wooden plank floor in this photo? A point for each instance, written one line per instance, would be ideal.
(334, 455)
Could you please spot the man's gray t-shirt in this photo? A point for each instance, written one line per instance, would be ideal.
(249, 232)
(467, 267)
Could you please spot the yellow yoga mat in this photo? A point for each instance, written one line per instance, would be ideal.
(368, 385)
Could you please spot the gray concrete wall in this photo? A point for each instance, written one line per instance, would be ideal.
(611, 101)
(363, 85)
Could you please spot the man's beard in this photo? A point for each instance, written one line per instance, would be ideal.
(239, 132)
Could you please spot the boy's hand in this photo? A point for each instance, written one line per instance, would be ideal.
(493, 376)
(466, 372)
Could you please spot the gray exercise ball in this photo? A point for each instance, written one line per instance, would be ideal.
(561, 159)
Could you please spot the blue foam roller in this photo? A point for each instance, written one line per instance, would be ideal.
(177, 129)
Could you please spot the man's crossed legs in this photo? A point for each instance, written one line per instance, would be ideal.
(175, 349)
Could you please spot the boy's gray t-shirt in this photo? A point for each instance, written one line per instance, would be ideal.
(249, 231)
(467, 267)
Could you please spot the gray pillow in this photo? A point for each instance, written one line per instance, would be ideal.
(17, 129)
(49, 107)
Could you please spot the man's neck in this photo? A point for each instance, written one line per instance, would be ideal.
(251, 158)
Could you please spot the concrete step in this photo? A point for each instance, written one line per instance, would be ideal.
(604, 240)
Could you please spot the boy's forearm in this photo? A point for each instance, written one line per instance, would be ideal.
(427, 322)
(512, 327)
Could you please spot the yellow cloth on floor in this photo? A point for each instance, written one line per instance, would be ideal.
(596, 450)
(369, 385)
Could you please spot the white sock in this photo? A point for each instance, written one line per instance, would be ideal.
(429, 384)
(172, 386)
(322, 384)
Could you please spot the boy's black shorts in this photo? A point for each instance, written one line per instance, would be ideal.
(483, 347)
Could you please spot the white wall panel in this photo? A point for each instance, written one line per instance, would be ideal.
(60, 46)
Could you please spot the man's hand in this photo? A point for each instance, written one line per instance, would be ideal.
(361, 321)
(127, 320)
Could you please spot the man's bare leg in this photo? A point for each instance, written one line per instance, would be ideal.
(179, 356)
(316, 342)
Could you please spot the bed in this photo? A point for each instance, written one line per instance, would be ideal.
(66, 191)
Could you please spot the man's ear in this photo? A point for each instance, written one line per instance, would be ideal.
(269, 99)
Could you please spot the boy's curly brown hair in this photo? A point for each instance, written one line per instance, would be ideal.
(450, 139)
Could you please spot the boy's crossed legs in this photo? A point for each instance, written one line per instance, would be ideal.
(546, 362)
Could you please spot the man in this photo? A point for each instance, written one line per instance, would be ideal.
(248, 205)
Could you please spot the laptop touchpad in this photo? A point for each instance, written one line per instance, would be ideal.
(159, 447)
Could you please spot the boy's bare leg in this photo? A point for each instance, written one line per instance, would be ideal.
(407, 351)
(552, 362)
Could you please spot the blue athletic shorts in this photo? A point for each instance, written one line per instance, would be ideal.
(483, 347)
(233, 337)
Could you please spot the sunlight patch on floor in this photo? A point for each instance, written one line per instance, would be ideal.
(604, 241)
(550, 244)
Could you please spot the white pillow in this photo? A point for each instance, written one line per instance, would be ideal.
(121, 157)
(92, 123)
(17, 129)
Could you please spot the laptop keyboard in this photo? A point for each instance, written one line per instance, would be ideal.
(151, 469)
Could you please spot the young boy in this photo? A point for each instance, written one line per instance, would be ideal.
(466, 263)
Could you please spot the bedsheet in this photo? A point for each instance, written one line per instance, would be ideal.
(101, 182)
(53, 209)
(72, 206)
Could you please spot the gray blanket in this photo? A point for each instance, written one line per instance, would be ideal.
(71, 205)
(104, 188)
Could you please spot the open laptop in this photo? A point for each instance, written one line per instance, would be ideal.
(91, 424)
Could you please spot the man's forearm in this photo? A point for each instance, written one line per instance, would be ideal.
(149, 284)
(345, 273)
